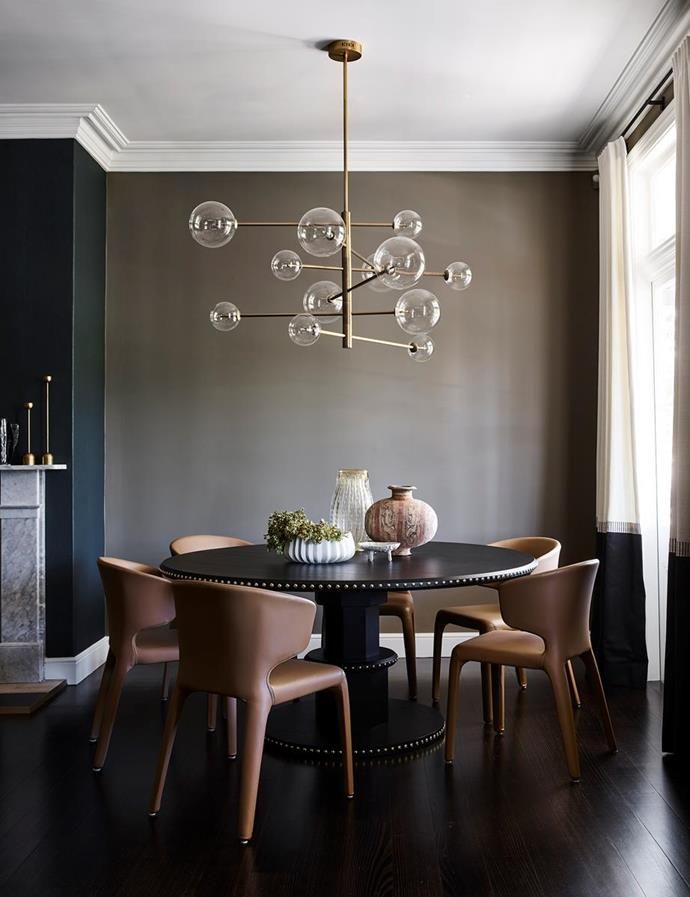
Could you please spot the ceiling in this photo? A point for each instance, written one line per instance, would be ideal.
(218, 70)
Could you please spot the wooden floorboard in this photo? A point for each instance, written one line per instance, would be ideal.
(504, 821)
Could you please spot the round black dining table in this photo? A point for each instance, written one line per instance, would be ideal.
(351, 594)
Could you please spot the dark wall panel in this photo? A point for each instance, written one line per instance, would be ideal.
(50, 191)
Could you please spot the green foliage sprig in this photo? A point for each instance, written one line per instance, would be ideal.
(284, 526)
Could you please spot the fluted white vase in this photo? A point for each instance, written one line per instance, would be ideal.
(327, 552)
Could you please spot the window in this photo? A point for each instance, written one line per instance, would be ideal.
(652, 165)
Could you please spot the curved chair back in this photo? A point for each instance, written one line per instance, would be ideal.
(185, 544)
(546, 551)
(553, 605)
(231, 637)
(136, 597)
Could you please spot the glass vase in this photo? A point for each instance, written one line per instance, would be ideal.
(351, 500)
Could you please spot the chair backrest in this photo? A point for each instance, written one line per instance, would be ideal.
(553, 605)
(137, 597)
(231, 637)
(546, 551)
(185, 544)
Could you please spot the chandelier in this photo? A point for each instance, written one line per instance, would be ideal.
(397, 264)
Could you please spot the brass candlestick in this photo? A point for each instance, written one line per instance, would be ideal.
(29, 457)
(47, 457)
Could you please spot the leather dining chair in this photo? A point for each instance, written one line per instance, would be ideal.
(241, 642)
(139, 606)
(487, 618)
(549, 618)
(401, 605)
(183, 545)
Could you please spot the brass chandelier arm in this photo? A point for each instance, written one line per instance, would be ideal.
(328, 314)
(372, 224)
(369, 339)
(267, 223)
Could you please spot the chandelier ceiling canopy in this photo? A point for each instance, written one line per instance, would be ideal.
(398, 264)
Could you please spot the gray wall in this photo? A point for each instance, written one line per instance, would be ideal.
(210, 432)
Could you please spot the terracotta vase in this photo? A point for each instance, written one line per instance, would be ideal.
(401, 518)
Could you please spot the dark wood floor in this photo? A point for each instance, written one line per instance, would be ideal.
(504, 821)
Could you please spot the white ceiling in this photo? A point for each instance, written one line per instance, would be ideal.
(443, 70)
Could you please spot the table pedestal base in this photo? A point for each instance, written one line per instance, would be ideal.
(410, 727)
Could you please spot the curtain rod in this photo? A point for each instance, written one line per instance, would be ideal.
(650, 101)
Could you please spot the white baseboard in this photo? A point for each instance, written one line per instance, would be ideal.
(75, 669)
(423, 640)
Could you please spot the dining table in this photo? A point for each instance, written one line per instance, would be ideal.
(351, 594)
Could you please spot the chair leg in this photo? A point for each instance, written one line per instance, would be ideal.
(594, 677)
(572, 683)
(564, 707)
(231, 726)
(499, 700)
(100, 700)
(521, 674)
(439, 626)
(179, 696)
(254, 733)
(407, 620)
(342, 695)
(487, 694)
(456, 666)
(165, 685)
(110, 705)
(212, 712)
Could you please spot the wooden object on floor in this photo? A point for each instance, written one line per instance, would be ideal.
(25, 698)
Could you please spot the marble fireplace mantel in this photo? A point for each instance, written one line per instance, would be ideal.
(22, 572)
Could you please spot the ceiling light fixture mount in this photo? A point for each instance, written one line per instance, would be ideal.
(397, 264)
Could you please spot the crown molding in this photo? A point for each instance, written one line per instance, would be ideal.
(364, 156)
(88, 124)
(95, 130)
(646, 67)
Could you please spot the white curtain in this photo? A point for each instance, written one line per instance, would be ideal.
(677, 676)
(617, 504)
(618, 617)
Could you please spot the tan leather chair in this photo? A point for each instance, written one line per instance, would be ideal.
(241, 642)
(487, 618)
(401, 605)
(549, 616)
(183, 545)
(139, 605)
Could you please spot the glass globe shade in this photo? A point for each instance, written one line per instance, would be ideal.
(212, 224)
(458, 275)
(417, 311)
(286, 265)
(317, 300)
(321, 232)
(225, 316)
(421, 349)
(401, 262)
(304, 330)
(375, 284)
(407, 223)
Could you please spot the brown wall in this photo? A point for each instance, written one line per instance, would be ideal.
(210, 432)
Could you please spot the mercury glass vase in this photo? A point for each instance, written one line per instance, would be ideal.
(351, 500)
